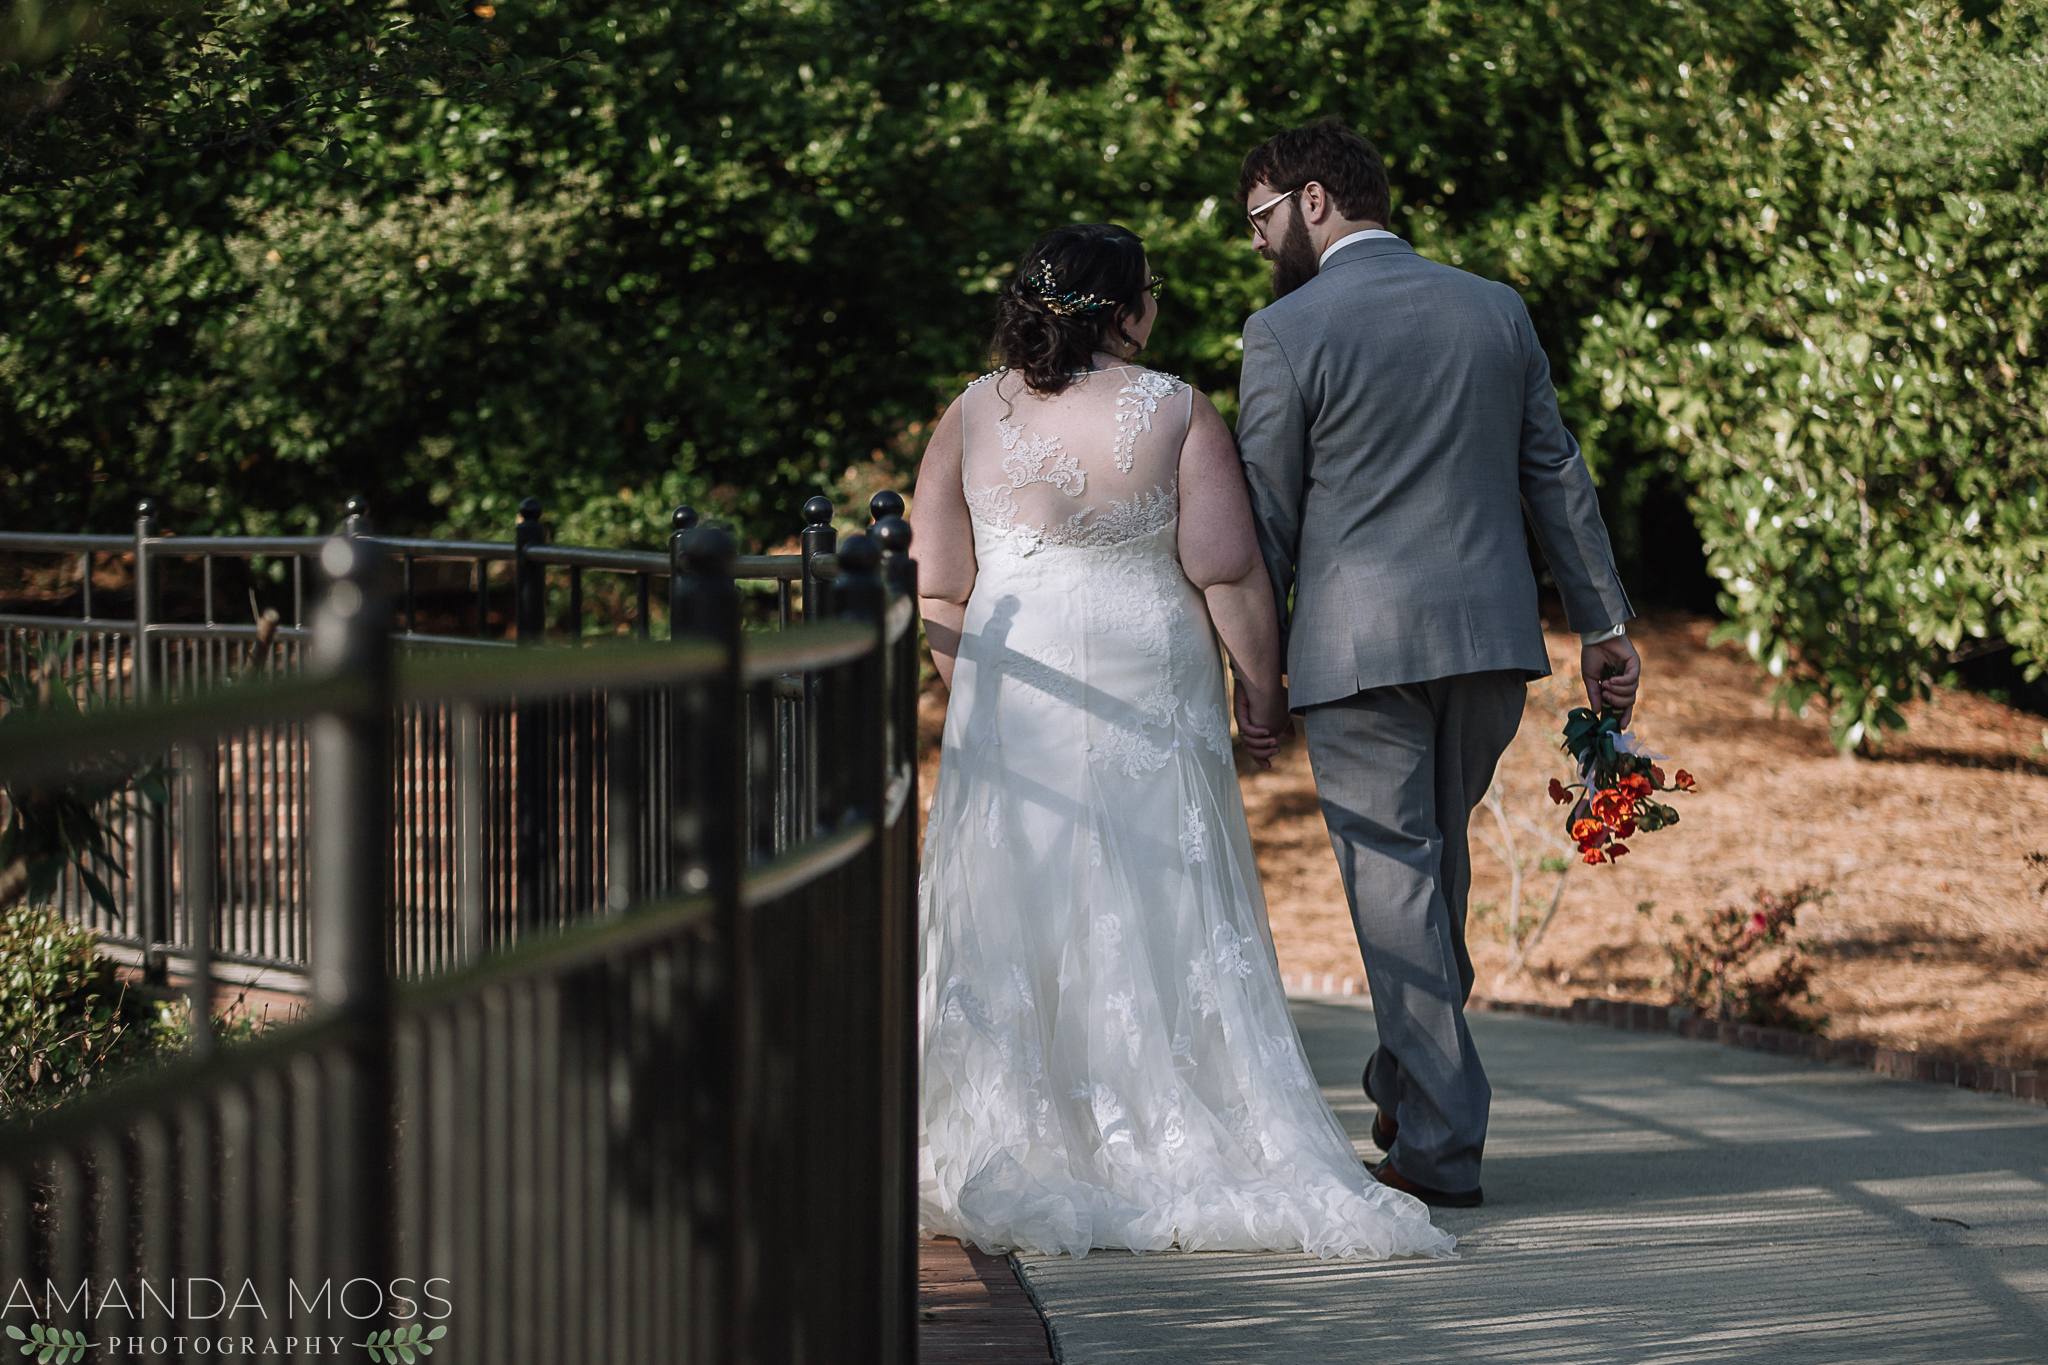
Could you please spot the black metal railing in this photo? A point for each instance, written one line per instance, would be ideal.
(536, 781)
(681, 1132)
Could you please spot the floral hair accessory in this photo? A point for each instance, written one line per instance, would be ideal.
(1071, 304)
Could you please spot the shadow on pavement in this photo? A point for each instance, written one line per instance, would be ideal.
(1649, 1199)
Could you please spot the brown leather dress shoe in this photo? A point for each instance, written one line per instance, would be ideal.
(1383, 1124)
(1436, 1199)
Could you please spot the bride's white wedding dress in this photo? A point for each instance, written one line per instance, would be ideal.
(1108, 1056)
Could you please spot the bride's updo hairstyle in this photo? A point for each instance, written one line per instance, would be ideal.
(1075, 287)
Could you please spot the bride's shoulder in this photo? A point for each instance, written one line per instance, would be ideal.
(1157, 383)
(995, 374)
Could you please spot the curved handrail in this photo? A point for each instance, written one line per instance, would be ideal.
(803, 649)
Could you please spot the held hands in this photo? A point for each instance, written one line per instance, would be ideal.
(1261, 727)
(1611, 670)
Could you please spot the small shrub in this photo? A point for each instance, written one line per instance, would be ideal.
(66, 1021)
(1719, 967)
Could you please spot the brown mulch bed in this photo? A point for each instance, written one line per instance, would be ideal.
(1934, 933)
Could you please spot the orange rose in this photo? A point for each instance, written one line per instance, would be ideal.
(1682, 780)
(1613, 806)
(1593, 856)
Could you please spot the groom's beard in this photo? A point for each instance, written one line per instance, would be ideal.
(1295, 263)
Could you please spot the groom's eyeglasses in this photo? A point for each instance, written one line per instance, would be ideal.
(1157, 286)
(1262, 210)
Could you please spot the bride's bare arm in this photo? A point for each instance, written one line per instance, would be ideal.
(942, 542)
(1219, 552)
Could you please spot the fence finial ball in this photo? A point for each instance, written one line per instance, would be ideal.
(356, 506)
(529, 510)
(894, 534)
(885, 504)
(858, 554)
(818, 511)
(683, 519)
(145, 508)
(711, 550)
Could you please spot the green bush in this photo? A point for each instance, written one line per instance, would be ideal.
(1852, 372)
(66, 1022)
(752, 244)
(1718, 968)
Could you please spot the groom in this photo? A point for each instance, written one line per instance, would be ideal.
(1397, 424)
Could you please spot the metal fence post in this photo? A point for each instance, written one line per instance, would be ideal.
(529, 582)
(898, 946)
(879, 1150)
(863, 721)
(624, 734)
(199, 841)
(899, 575)
(351, 885)
(152, 880)
(681, 523)
(472, 932)
(532, 824)
(706, 772)
(818, 538)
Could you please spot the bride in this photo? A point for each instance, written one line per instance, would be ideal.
(1108, 1060)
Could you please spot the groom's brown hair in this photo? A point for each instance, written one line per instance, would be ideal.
(1330, 154)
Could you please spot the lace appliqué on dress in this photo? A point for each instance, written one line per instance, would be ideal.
(1146, 514)
(1135, 404)
(1128, 750)
(1210, 727)
(1192, 831)
(1027, 466)
(1228, 946)
(1122, 1025)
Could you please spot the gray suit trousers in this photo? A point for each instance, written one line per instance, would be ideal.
(1399, 770)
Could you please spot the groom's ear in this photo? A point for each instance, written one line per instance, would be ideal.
(1315, 203)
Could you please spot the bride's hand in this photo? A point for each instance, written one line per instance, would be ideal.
(1261, 728)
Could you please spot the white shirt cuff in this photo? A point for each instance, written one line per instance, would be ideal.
(1594, 637)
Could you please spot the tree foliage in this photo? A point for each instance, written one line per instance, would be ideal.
(1852, 374)
(726, 252)
(743, 247)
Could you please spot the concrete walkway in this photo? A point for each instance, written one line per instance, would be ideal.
(1648, 1199)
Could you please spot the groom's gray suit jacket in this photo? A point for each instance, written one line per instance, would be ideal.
(1396, 419)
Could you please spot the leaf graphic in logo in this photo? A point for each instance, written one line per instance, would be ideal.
(402, 1344)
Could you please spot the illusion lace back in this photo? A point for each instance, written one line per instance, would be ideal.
(1108, 1056)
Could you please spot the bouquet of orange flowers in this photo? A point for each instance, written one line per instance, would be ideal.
(1617, 778)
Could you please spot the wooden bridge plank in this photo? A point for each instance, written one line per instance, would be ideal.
(972, 1311)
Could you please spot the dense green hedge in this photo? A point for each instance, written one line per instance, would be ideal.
(751, 245)
(748, 247)
(1852, 373)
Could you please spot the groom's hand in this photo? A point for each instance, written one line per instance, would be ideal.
(1611, 670)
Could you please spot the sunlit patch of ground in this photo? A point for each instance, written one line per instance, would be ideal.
(1935, 931)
